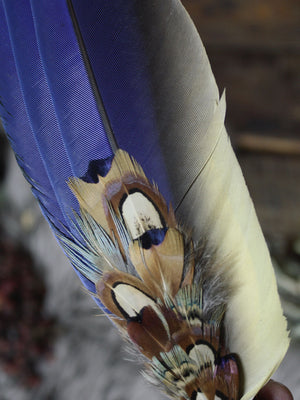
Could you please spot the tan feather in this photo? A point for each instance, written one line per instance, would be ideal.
(161, 266)
(91, 199)
(114, 191)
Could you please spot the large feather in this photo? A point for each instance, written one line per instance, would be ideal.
(79, 81)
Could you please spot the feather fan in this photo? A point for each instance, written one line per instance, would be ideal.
(116, 121)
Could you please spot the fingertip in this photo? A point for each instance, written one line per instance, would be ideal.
(274, 391)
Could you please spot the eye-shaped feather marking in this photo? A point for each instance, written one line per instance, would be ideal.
(123, 294)
(139, 214)
(130, 300)
(203, 355)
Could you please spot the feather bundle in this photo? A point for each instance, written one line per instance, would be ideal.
(166, 294)
(86, 91)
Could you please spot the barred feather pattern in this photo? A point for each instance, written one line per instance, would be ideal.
(165, 293)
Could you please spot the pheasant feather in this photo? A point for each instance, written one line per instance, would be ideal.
(116, 121)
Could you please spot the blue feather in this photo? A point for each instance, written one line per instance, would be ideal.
(117, 48)
(76, 81)
(48, 107)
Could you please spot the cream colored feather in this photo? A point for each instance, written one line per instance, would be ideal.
(213, 200)
(257, 329)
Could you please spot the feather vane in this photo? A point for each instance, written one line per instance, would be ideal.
(198, 298)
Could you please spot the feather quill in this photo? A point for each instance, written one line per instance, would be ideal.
(79, 82)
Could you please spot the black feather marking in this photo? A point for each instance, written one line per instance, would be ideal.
(97, 167)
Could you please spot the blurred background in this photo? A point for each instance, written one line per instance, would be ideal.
(54, 345)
